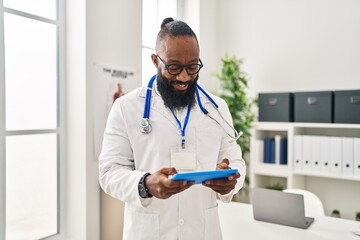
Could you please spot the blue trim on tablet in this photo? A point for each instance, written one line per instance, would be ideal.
(200, 177)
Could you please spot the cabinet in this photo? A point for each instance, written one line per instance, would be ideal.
(335, 189)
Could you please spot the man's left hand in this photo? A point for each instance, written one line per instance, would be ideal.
(222, 186)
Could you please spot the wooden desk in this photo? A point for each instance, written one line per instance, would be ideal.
(237, 222)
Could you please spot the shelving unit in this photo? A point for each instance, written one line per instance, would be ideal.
(335, 191)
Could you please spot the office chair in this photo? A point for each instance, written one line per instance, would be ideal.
(313, 204)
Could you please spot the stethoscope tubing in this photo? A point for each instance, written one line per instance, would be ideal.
(146, 114)
(145, 126)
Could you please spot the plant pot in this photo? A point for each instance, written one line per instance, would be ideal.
(336, 214)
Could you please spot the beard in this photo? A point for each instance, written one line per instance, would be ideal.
(176, 99)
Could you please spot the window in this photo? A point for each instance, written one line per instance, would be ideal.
(31, 128)
(154, 11)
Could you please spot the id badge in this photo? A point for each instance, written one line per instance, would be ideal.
(183, 159)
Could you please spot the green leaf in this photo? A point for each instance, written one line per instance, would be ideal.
(234, 90)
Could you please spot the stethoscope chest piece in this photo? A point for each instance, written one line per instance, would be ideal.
(145, 126)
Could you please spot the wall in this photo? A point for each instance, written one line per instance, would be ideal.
(105, 32)
(75, 191)
(294, 45)
(203, 17)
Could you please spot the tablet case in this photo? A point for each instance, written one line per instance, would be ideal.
(202, 176)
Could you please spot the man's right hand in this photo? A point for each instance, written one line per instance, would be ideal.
(159, 185)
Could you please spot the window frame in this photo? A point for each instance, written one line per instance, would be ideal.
(60, 129)
(159, 14)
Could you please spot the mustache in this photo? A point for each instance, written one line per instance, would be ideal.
(180, 82)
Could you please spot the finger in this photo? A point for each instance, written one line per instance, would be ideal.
(225, 160)
(236, 175)
(220, 183)
(167, 192)
(233, 176)
(175, 184)
(224, 164)
(168, 171)
(221, 187)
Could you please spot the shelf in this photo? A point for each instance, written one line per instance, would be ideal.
(326, 185)
(287, 125)
(322, 175)
(272, 169)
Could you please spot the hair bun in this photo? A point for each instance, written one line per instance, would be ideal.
(166, 21)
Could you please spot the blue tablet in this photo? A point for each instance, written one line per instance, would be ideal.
(200, 177)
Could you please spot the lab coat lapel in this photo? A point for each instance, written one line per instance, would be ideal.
(157, 105)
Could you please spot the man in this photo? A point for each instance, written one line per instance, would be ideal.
(136, 162)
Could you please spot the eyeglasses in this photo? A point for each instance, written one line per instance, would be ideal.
(176, 69)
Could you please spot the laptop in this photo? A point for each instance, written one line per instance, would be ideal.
(279, 207)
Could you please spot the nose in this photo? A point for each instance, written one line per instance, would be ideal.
(183, 76)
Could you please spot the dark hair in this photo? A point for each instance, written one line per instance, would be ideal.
(173, 28)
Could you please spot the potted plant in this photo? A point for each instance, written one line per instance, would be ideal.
(234, 87)
(276, 186)
(336, 213)
(357, 216)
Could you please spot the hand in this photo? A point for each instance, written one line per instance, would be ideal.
(222, 186)
(161, 187)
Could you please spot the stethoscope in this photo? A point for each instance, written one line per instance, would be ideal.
(145, 126)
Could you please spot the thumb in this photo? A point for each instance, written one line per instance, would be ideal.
(224, 164)
(168, 171)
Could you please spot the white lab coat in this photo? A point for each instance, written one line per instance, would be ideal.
(127, 154)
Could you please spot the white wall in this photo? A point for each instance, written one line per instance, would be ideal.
(114, 34)
(299, 45)
(75, 191)
(203, 17)
(105, 32)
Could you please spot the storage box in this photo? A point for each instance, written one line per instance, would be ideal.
(347, 106)
(276, 107)
(313, 107)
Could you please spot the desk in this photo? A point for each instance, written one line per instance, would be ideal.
(237, 222)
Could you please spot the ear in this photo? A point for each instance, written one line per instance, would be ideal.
(154, 60)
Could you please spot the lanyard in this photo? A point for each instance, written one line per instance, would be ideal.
(184, 127)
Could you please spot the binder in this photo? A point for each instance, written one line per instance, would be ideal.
(347, 156)
(298, 150)
(272, 150)
(315, 154)
(357, 157)
(259, 153)
(283, 151)
(307, 162)
(325, 159)
(277, 148)
(266, 150)
(336, 155)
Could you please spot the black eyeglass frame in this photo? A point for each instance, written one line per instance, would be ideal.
(181, 67)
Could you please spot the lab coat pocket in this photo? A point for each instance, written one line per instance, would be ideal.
(141, 226)
(212, 224)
